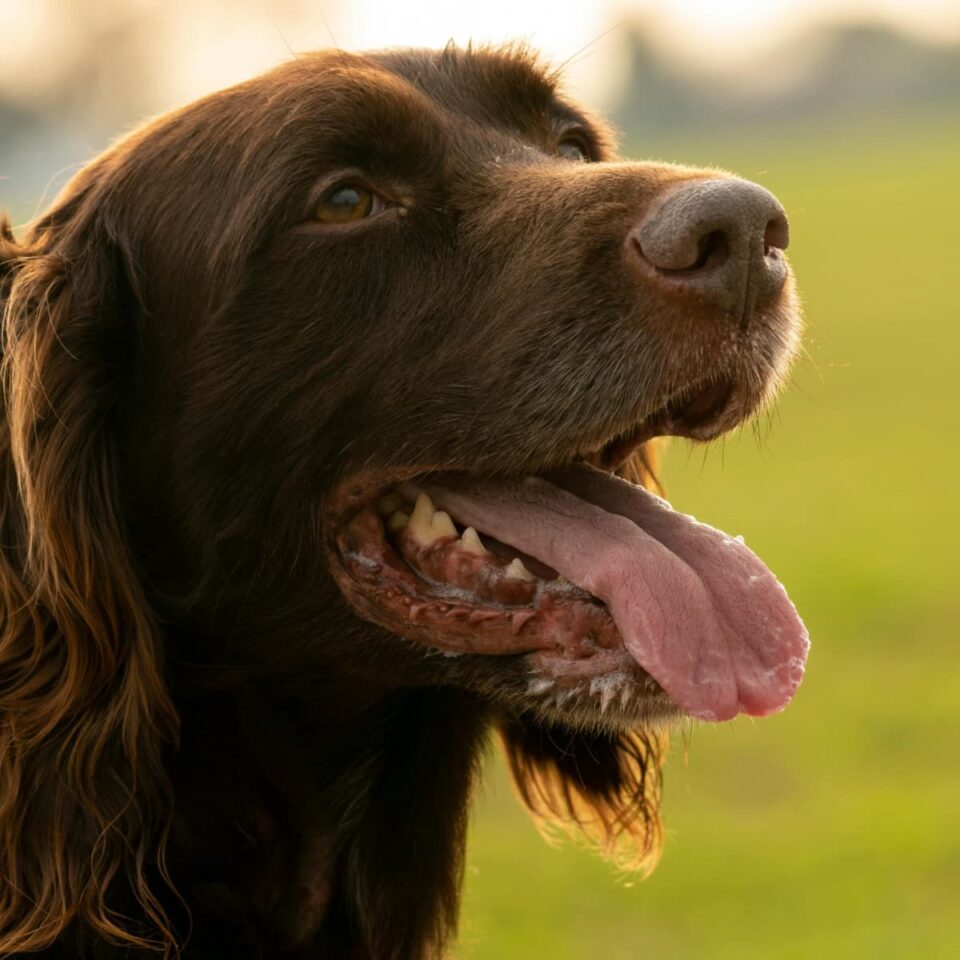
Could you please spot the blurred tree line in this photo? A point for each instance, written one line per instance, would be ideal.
(851, 72)
(109, 64)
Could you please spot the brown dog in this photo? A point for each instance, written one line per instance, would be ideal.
(247, 667)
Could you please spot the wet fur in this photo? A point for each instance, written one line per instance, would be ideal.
(202, 747)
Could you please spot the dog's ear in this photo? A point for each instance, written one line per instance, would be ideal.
(84, 712)
(601, 784)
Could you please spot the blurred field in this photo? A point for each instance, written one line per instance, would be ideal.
(832, 830)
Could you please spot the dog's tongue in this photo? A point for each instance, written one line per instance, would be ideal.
(696, 609)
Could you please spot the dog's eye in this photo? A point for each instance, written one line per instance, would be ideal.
(573, 148)
(346, 203)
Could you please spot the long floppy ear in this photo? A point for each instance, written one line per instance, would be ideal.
(84, 712)
(601, 784)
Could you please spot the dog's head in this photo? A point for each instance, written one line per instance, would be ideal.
(256, 344)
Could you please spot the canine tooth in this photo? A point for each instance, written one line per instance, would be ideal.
(443, 525)
(397, 521)
(471, 542)
(421, 521)
(539, 685)
(428, 525)
(422, 512)
(517, 571)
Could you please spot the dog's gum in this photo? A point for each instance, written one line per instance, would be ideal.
(462, 602)
(446, 563)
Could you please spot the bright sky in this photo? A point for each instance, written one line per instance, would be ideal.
(212, 43)
(717, 28)
(717, 31)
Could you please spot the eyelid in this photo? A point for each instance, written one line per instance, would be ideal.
(387, 195)
(582, 136)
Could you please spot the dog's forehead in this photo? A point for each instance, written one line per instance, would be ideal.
(489, 80)
(506, 87)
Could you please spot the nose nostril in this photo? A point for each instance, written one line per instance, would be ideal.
(712, 250)
(703, 240)
(776, 235)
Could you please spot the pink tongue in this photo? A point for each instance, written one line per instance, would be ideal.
(696, 609)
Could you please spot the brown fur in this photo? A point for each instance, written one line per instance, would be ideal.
(200, 742)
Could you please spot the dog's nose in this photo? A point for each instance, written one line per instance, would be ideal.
(721, 241)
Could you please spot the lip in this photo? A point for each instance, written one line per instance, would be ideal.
(561, 646)
(700, 412)
(374, 569)
(577, 645)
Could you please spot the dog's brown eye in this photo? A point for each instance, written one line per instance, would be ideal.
(346, 204)
(573, 149)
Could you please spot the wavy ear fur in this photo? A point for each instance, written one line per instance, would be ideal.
(84, 712)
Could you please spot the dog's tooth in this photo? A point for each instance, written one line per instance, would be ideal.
(423, 507)
(428, 525)
(390, 503)
(517, 571)
(421, 520)
(443, 525)
(471, 542)
(397, 521)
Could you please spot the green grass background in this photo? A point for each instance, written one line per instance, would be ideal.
(832, 830)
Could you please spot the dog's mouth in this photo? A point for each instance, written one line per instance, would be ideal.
(700, 412)
(594, 579)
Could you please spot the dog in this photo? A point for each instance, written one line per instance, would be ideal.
(330, 405)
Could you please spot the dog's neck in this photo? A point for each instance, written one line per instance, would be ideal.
(343, 819)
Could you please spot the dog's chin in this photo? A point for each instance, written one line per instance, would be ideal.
(613, 693)
(413, 553)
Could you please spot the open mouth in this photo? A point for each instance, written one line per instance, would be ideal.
(590, 577)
